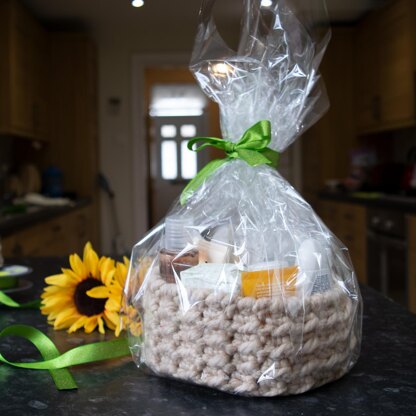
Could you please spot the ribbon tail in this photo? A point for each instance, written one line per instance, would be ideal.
(272, 156)
(61, 377)
(56, 363)
(200, 178)
(8, 301)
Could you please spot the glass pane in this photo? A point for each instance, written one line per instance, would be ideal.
(188, 161)
(168, 131)
(188, 130)
(169, 159)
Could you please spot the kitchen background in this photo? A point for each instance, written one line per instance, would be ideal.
(87, 86)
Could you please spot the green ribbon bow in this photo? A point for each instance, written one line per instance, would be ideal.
(252, 148)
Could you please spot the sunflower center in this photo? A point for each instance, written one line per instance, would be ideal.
(86, 305)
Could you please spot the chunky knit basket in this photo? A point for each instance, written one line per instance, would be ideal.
(248, 346)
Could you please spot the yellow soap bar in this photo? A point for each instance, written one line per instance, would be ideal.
(270, 282)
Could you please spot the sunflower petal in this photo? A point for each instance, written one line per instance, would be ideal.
(107, 271)
(79, 323)
(112, 316)
(78, 266)
(91, 324)
(61, 280)
(112, 305)
(72, 274)
(99, 292)
(101, 325)
(91, 262)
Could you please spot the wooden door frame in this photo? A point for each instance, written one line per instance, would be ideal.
(140, 163)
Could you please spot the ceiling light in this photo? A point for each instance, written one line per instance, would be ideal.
(266, 3)
(137, 3)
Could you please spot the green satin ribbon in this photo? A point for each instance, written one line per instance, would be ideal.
(8, 301)
(252, 148)
(53, 360)
(56, 362)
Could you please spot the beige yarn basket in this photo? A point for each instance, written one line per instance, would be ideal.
(248, 346)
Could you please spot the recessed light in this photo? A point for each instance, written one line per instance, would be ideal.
(266, 3)
(137, 3)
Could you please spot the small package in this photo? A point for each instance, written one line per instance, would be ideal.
(242, 287)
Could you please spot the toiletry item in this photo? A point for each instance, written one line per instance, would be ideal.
(314, 265)
(215, 244)
(212, 252)
(266, 280)
(223, 277)
(177, 255)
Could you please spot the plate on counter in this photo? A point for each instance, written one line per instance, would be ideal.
(10, 277)
(23, 285)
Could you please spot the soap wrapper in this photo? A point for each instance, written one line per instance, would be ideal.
(270, 304)
(223, 277)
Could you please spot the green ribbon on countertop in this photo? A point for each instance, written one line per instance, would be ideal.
(252, 148)
(8, 301)
(57, 363)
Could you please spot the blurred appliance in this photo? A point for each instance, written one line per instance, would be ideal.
(387, 253)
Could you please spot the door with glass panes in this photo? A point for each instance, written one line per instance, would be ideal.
(172, 163)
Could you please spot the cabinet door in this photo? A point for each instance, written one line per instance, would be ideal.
(330, 214)
(411, 253)
(348, 223)
(21, 71)
(353, 224)
(367, 75)
(60, 236)
(397, 40)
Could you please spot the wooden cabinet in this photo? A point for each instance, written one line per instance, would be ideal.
(348, 223)
(59, 236)
(23, 73)
(74, 117)
(411, 254)
(327, 145)
(385, 68)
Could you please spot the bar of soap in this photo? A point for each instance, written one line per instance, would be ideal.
(224, 277)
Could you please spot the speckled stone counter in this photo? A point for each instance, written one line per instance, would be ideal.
(382, 383)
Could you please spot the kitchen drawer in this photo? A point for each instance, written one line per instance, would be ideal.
(348, 223)
(60, 236)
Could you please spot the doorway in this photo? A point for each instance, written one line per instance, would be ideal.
(177, 110)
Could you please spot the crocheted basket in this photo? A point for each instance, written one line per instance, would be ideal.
(249, 346)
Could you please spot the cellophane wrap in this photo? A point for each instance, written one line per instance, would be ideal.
(243, 288)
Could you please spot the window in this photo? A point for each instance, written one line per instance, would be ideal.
(188, 161)
(169, 159)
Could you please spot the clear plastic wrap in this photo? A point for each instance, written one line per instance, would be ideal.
(243, 288)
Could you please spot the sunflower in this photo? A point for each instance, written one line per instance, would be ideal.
(87, 295)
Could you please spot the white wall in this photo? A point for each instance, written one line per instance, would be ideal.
(116, 48)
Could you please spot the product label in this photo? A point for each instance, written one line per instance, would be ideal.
(269, 283)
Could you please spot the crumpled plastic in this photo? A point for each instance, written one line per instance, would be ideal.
(243, 288)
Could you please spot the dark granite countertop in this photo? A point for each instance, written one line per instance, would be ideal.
(396, 202)
(11, 223)
(383, 382)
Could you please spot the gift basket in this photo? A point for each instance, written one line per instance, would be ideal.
(242, 287)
